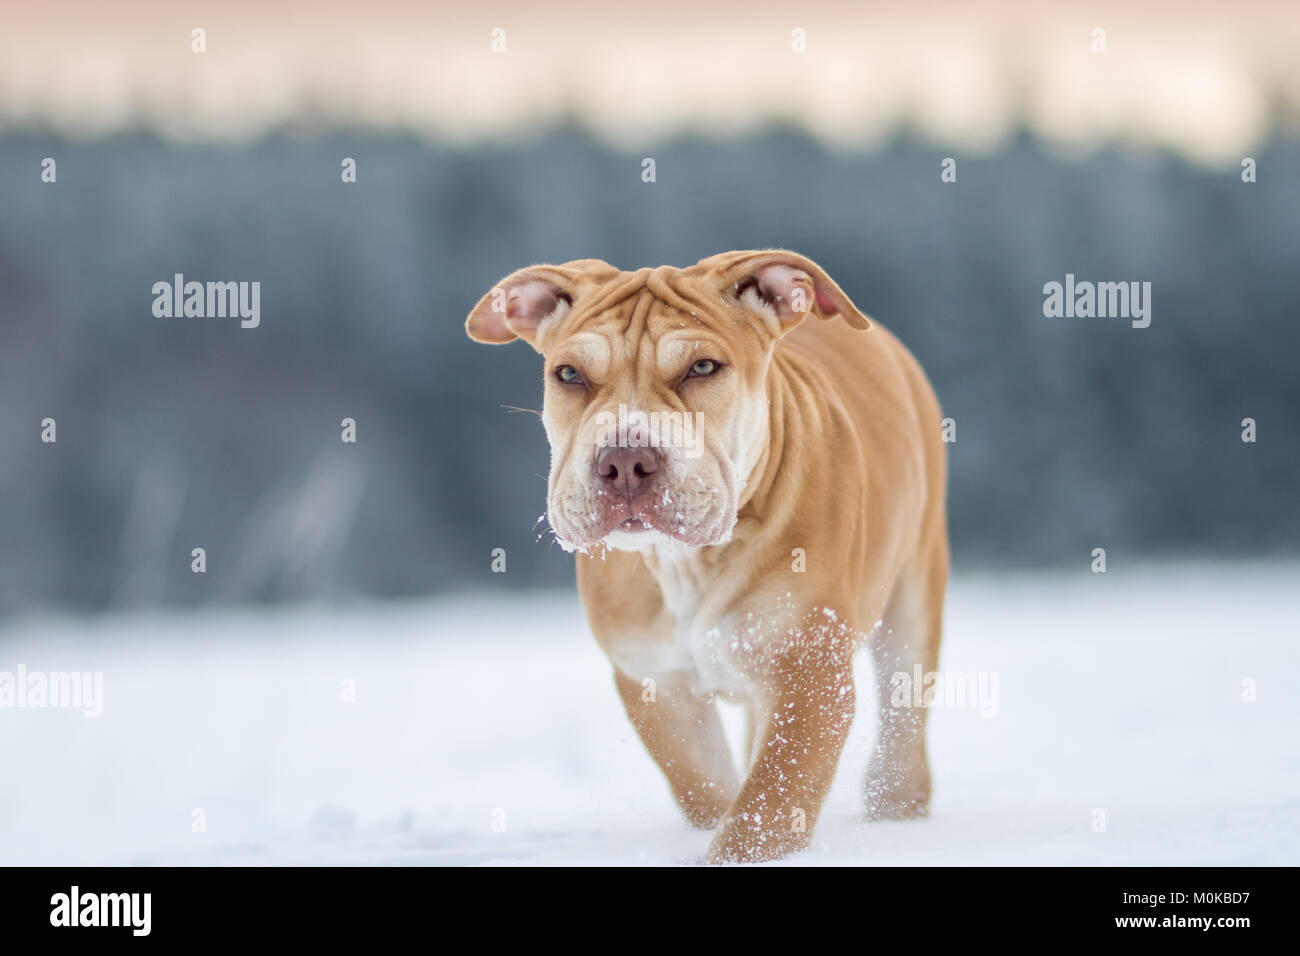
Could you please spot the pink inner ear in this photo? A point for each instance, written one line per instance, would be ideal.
(777, 283)
(531, 301)
(781, 280)
(825, 303)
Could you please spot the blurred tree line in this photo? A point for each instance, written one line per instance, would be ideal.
(176, 434)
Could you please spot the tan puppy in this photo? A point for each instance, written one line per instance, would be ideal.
(752, 497)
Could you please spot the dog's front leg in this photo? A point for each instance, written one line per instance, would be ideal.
(804, 720)
(684, 735)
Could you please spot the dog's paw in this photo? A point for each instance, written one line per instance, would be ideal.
(896, 793)
(703, 818)
(746, 839)
(704, 807)
(890, 808)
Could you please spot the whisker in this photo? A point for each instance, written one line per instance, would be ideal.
(516, 408)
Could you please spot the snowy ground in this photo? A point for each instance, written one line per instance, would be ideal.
(1116, 692)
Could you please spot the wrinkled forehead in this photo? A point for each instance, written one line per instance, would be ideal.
(660, 313)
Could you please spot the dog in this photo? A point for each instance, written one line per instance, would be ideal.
(798, 515)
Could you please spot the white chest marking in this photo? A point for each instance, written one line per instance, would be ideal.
(702, 640)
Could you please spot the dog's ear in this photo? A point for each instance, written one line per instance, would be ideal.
(784, 288)
(525, 304)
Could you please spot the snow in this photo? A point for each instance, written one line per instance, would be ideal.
(1119, 692)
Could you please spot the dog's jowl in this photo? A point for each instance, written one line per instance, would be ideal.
(752, 497)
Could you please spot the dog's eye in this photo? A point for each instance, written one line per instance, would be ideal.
(569, 375)
(702, 368)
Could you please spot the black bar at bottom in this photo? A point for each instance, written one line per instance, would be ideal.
(371, 905)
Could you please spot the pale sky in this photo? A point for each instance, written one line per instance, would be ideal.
(1210, 80)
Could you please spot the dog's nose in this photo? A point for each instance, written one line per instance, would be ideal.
(626, 470)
